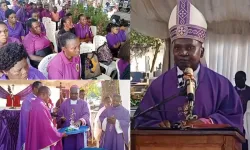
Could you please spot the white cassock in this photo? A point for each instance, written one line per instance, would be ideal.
(97, 125)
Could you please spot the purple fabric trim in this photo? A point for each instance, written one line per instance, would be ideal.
(188, 31)
(183, 10)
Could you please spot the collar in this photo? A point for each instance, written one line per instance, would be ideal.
(65, 59)
(239, 89)
(73, 102)
(180, 73)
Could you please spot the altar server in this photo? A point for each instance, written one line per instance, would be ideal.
(115, 125)
(216, 100)
(81, 113)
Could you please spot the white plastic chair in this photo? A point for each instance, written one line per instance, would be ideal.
(42, 67)
(99, 41)
(86, 48)
(118, 72)
(94, 30)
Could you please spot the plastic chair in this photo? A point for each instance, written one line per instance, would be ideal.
(42, 67)
(118, 71)
(86, 48)
(99, 41)
(94, 30)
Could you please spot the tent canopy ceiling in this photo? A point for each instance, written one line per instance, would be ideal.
(151, 16)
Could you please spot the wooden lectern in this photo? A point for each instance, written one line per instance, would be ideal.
(194, 139)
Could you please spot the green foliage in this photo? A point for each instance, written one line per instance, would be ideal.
(98, 17)
(140, 43)
(93, 90)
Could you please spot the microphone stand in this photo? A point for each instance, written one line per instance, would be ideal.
(181, 93)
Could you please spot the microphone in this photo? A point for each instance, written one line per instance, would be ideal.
(191, 85)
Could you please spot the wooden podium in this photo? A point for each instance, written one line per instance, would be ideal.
(195, 139)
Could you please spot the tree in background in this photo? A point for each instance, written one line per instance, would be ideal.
(97, 16)
(93, 90)
(110, 87)
(140, 44)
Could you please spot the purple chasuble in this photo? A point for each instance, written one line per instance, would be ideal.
(17, 31)
(40, 131)
(244, 96)
(122, 35)
(82, 31)
(122, 64)
(112, 40)
(32, 75)
(61, 68)
(215, 98)
(23, 122)
(74, 142)
(110, 139)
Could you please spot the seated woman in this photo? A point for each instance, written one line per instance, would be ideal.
(15, 28)
(66, 26)
(13, 64)
(66, 64)
(83, 30)
(36, 43)
(113, 39)
(4, 38)
(35, 15)
(122, 31)
(124, 62)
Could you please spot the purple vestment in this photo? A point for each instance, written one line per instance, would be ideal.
(32, 75)
(74, 142)
(17, 31)
(215, 98)
(82, 31)
(122, 64)
(111, 139)
(40, 131)
(245, 96)
(61, 68)
(112, 40)
(23, 122)
(122, 35)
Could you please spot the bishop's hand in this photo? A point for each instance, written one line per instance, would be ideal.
(78, 123)
(111, 120)
(165, 124)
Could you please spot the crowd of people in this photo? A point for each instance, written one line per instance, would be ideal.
(23, 31)
(111, 122)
